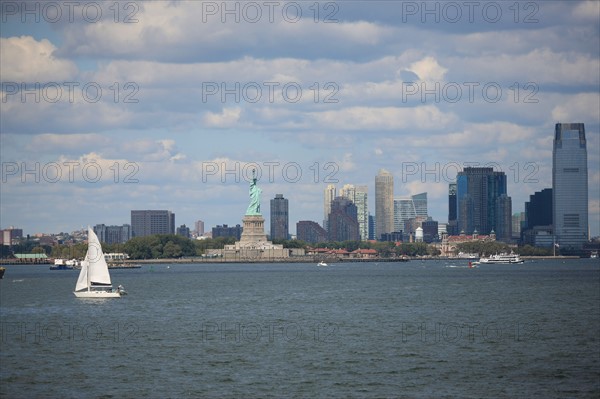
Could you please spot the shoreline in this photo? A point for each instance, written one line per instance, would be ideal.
(134, 264)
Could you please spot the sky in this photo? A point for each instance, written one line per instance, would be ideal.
(113, 106)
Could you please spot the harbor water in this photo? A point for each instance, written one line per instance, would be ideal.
(421, 329)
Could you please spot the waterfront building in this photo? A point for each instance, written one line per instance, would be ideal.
(477, 192)
(279, 218)
(309, 231)
(452, 223)
(358, 195)
(343, 221)
(570, 185)
(328, 197)
(149, 222)
(384, 203)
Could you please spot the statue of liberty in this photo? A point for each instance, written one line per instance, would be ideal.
(254, 207)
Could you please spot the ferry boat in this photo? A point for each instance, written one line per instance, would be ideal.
(502, 258)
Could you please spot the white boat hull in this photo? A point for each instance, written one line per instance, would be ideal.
(97, 294)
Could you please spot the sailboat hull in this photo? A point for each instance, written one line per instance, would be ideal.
(97, 294)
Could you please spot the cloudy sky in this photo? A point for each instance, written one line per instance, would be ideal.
(109, 107)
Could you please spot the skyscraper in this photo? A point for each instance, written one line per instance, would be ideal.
(328, 197)
(404, 209)
(384, 203)
(279, 218)
(420, 202)
(199, 227)
(452, 228)
(477, 192)
(358, 195)
(343, 222)
(503, 218)
(570, 185)
(149, 222)
(310, 231)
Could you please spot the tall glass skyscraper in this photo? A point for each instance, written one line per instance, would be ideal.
(384, 203)
(478, 190)
(358, 195)
(570, 185)
(279, 218)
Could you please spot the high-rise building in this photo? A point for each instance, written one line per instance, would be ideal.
(503, 218)
(10, 236)
(404, 209)
(430, 230)
(570, 185)
(184, 231)
(384, 203)
(538, 211)
(371, 227)
(518, 219)
(310, 231)
(358, 195)
(328, 197)
(343, 221)
(199, 225)
(420, 202)
(279, 218)
(113, 234)
(477, 192)
(452, 224)
(149, 222)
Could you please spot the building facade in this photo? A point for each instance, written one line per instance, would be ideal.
(343, 221)
(570, 185)
(328, 196)
(226, 231)
(358, 195)
(113, 234)
(477, 192)
(384, 203)
(149, 222)
(279, 218)
(309, 231)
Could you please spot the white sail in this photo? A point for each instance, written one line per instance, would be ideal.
(97, 268)
(82, 281)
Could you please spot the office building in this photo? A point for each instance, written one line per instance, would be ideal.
(199, 227)
(570, 185)
(452, 223)
(226, 231)
(358, 195)
(328, 197)
(310, 231)
(384, 203)
(113, 234)
(183, 231)
(477, 192)
(279, 218)
(149, 222)
(343, 222)
(503, 218)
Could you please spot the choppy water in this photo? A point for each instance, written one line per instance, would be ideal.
(430, 329)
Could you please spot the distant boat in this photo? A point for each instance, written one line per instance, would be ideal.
(594, 255)
(502, 258)
(2, 270)
(94, 279)
(321, 263)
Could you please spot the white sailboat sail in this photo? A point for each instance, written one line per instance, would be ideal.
(82, 281)
(97, 267)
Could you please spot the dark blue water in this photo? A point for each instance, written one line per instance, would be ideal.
(430, 329)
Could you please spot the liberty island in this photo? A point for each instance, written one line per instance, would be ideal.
(253, 243)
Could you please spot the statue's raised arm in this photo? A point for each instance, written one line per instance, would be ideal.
(254, 206)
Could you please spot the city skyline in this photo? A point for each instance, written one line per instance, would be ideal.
(94, 126)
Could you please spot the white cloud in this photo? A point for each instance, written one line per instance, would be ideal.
(24, 59)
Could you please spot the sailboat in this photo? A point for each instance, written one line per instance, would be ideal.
(94, 279)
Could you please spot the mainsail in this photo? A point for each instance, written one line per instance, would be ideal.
(94, 269)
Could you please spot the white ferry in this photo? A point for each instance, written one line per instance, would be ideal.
(503, 258)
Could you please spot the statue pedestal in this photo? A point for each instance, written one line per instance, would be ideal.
(254, 231)
(253, 244)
